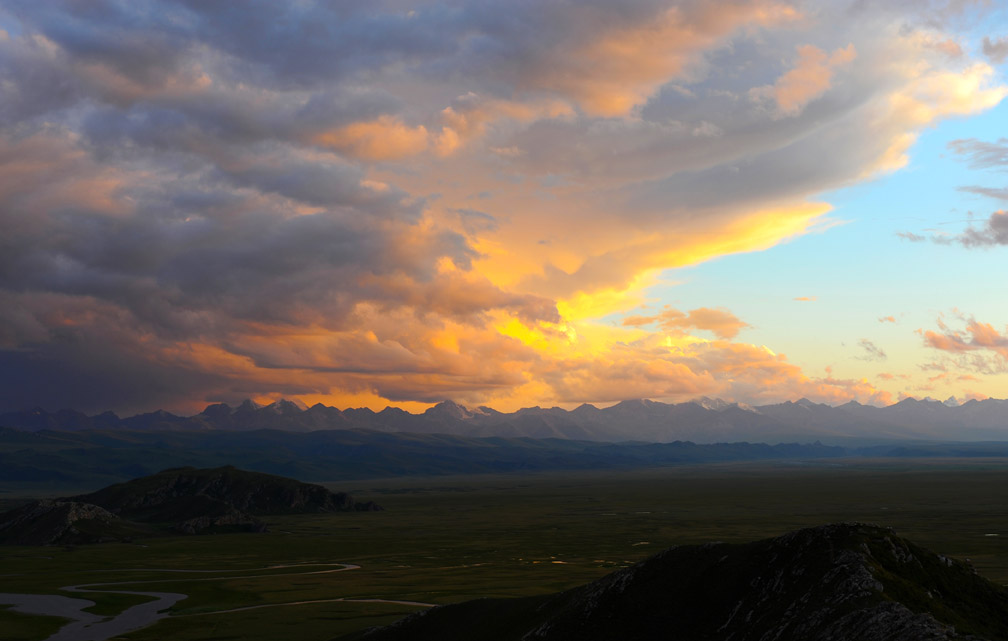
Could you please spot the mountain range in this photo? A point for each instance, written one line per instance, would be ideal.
(700, 421)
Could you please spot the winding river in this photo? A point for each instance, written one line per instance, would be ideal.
(85, 626)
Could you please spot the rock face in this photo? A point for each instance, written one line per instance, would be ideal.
(230, 519)
(188, 500)
(52, 522)
(836, 582)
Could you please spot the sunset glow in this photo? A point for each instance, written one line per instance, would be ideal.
(504, 204)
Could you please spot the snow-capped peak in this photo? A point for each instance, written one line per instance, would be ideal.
(715, 404)
(286, 405)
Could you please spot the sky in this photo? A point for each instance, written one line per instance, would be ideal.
(508, 204)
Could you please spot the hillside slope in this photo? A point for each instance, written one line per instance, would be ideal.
(839, 582)
(63, 522)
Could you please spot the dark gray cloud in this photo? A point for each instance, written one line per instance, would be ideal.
(161, 187)
(993, 232)
(996, 49)
(289, 45)
(84, 373)
(997, 193)
(871, 351)
(979, 154)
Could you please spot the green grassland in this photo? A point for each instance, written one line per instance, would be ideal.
(447, 539)
(16, 626)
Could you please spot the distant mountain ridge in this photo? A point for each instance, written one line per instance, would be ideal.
(703, 420)
(91, 458)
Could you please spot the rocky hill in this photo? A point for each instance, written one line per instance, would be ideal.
(170, 490)
(63, 522)
(836, 582)
(187, 500)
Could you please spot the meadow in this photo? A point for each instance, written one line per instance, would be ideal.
(451, 538)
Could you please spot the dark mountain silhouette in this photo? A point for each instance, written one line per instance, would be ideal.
(187, 499)
(840, 582)
(701, 421)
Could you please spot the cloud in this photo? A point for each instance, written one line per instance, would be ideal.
(810, 78)
(977, 346)
(721, 322)
(996, 50)
(872, 352)
(990, 192)
(806, 299)
(386, 138)
(887, 319)
(659, 368)
(205, 202)
(948, 46)
(981, 154)
(994, 232)
(633, 50)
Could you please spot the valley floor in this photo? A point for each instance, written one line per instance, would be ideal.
(448, 539)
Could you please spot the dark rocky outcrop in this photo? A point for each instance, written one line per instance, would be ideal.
(835, 582)
(251, 492)
(59, 522)
(186, 500)
(230, 519)
(219, 498)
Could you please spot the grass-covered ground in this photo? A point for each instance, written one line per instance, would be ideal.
(447, 539)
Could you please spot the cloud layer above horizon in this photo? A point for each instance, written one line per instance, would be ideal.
(365, 203)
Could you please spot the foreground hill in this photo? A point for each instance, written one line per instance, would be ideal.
(187, 500)
(700, 421)
(839, 582)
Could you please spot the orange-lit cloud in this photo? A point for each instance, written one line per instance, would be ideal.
(386, 138)
(889, 376)
(978, 346)
(631, 55)
(810, 78)
(721, 322)
(436, 203)
(933, 93)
